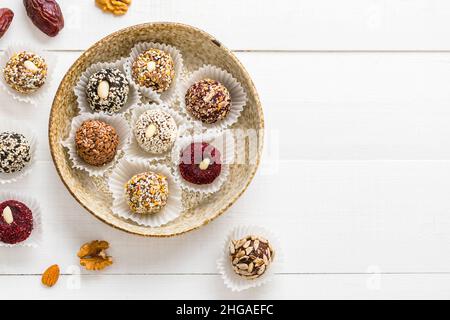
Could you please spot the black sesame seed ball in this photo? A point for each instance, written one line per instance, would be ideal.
(15, 152)
(114, 86)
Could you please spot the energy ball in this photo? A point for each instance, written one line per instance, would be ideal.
(15, 152)
(208, 101)
(96, 142)
(147, 193)
(251, 256)
(16, 222)
(25, 72)
(155, 131)
(200, 163)
(107, 90)
(154, 69)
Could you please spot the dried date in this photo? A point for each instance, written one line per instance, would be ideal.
(6, 17)
(46, 15)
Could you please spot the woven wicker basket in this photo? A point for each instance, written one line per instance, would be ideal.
(198, 48)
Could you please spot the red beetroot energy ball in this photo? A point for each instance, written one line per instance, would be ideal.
(16, 224)
(200, 163)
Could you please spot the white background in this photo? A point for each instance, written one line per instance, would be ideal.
(356, 177)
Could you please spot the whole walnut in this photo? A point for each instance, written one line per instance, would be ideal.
(46, 15)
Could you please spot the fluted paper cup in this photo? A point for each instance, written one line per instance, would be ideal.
(223, 142)
(14, 126)
(117, 121)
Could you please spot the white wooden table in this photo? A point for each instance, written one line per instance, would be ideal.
(356, 95)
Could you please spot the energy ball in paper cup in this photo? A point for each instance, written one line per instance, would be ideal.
(27, 73)
(212, 98)
(250, 258)
(156, 69)
(155, 129)
(145, 194)
(104, 87)
(202, 162)
(20, 221)
(18, 146)
(96, 142)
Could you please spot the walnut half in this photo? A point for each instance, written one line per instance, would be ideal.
(93, 255)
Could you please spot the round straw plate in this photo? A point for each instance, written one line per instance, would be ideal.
(198, 48)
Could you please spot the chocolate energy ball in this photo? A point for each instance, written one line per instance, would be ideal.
(25, 72)
(16, 222)
(154, 69)
(15, 152)
(155, 131)
(147, 193)
(251, 256)
(208, 101)
(107, 90)
(96, 142)
(200, 163)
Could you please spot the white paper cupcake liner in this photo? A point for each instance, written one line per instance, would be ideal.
(13, 126)
(234, 281)
(237, 92)
(117, 121)
(133, 150)
(170, 94)
(80, 89)
(39, 95)
(35, 239)
(124, 171)
(223, 142)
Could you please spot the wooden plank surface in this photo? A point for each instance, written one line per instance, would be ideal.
(211, 287)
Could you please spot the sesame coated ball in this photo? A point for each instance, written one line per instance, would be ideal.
(25, 72)
(154, 69)
(147, 193)
(208, 101)
(15, 152)
(96, 142)
(107, 90)
(155, 131)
